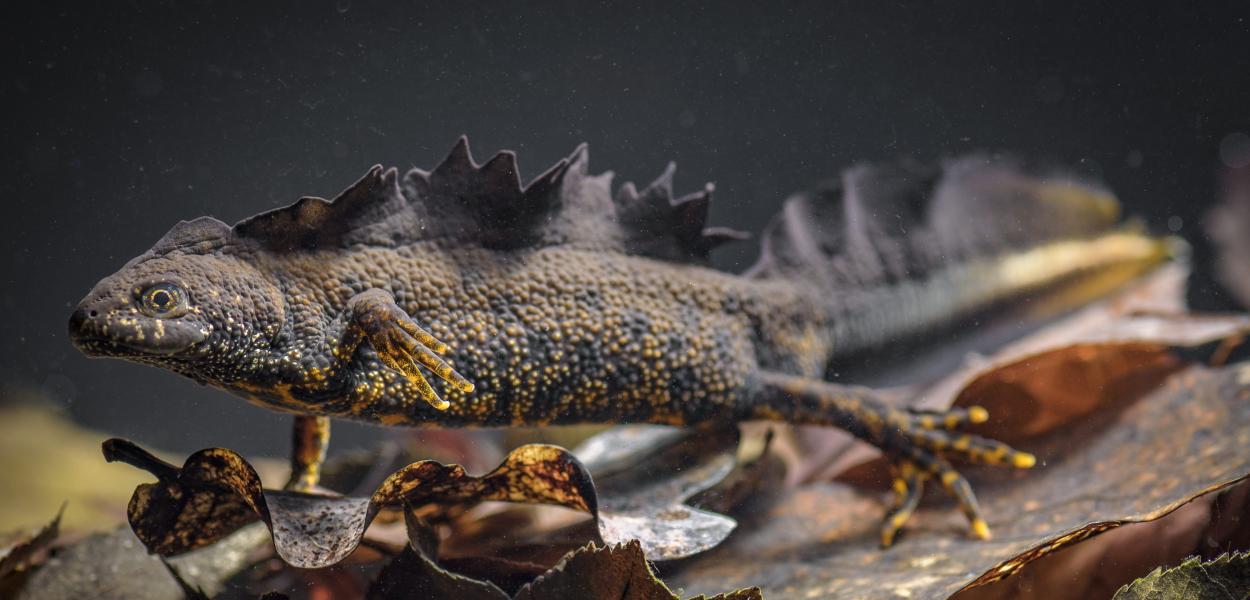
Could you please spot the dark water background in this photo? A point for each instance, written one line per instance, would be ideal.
(124, 118)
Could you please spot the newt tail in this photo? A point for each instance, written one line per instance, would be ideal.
(459, 297)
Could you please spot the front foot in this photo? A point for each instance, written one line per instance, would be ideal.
(918, 445)
(402, 345)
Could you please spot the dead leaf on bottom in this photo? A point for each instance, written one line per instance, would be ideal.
(1038, 388)
(22, 553)
(645, 475)
(116, 565)
(660, 485)
(1226, 577)
(1186, 439)
(615, 572)
(414, 574)
(216, 492)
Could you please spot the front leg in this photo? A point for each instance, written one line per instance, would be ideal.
(399, 342)
(308, 450)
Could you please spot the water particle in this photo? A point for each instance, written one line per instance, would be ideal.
(148, 83)
(1049, 89)
(1134, 159)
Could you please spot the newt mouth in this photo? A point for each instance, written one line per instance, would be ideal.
(97, 335)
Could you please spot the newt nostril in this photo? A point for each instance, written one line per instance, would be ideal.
(76, 320)
(83, 321)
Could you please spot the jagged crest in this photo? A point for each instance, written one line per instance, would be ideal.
(876, 223)
(662, 226)
(462, 202)
(199, 235)
(316, 222)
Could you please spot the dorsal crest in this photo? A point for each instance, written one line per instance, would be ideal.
(674, 229)
(199, 235)
(460, 202)
(487, 204)
(313, 222)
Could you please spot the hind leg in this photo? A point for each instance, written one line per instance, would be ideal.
(917, 443)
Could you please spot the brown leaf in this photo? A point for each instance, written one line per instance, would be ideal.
(1225, 578)
(646, 474)
(22, 554)
(1112, 468)
(616, 572)
(216, 491)
(508, 575)
(1114, 349)
(1099, 566)
(414, 574)
(1037, 389)
(756, 474)
(116, 565)
(652, 483)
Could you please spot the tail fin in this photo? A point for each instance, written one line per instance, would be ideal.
(886, 223)
(900, 252)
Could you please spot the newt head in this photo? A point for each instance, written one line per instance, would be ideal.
(190, 298)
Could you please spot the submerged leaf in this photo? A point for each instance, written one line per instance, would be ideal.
(1033, 389)
(614, 572)
(189, 591)
(21, 554)
(646, 474)
(1225, 578)
(655, 484)
(646, 483)
(116, 565)
(1117, 466)
(1115, 349)
(216, 491)
(414, 574)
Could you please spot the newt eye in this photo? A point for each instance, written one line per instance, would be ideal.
(163, 300)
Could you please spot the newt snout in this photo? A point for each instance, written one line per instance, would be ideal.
(154, 321)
